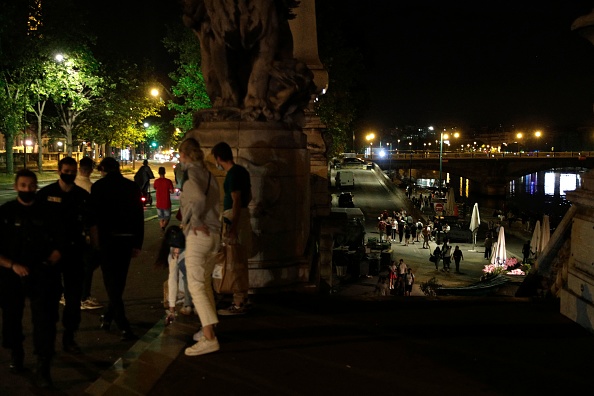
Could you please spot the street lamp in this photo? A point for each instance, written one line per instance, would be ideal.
(537, 134)
(441, 137)
(370, 138)
(390, 155)
(410, 165)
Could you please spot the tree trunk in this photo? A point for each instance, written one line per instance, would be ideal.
(40, 146)
(69, 140)
(9, 137)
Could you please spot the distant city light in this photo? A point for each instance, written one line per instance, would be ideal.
(382, 153)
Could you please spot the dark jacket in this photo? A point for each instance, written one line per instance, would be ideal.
(25, 235)
(116, 204)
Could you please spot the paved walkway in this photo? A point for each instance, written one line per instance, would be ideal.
(349, 342)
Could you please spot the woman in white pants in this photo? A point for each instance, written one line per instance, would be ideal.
(202, 227)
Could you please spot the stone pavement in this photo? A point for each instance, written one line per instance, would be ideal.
(349, 342)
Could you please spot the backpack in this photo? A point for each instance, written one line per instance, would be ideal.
(419, 226)
(175, 237)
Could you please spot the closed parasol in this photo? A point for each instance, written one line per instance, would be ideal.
(499, 253)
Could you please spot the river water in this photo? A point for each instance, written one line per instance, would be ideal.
(530, 196)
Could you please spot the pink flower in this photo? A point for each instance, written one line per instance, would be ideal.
(517, 271)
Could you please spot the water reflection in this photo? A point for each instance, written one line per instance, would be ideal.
(530, 196)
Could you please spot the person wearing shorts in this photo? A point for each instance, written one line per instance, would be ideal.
(163, 190)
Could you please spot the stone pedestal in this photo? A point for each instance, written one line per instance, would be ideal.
(577, 295)
(278, 162)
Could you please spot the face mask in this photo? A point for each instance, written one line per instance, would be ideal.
(67, 178)
(26, 196)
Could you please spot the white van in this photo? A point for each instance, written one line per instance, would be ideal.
(344, 179)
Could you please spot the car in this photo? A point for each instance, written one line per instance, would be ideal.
(353, 162)
(345, 200)
(344, 179)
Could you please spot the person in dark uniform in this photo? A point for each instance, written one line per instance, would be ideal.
(143, 177)
(28, 267)
(67, 206)
(116, 204)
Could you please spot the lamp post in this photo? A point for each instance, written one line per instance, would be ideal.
(441, 136)
(389, 155)
(28, 144)
(537, 134)
(410, 164)
(370, 138)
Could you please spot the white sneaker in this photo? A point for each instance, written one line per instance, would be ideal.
(198, 335)
(203, 347)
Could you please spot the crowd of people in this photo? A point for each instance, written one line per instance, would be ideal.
(52, 240)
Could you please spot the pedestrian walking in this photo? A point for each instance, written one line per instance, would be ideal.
(526, 252)
(237, 225)
(143, 177)
(67, 206)
(457, 257)
(488, 246)
(90, 263)
(437, 255)
(426, 236)
(389, 229)
(381, 227)
(409, 281)
(199, 202)
(28, 269)
(163, 190)
(406, 234)
(446, 253)
(116, 203)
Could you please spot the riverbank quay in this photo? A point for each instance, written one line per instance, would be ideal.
(296, 342)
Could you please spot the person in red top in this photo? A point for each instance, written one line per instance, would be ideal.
(163, 189)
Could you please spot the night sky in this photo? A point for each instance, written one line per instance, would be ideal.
(479, 63)
(458, 63)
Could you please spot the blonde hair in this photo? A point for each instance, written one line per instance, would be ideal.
(191, 148)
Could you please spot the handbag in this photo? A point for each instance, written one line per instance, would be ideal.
(230, 273)
(432, 258)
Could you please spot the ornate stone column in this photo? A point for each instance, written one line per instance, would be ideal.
(577, 293)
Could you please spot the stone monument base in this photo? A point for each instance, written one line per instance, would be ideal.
(279, 166)
(577, 295)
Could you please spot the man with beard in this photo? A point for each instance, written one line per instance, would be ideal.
(67, 206)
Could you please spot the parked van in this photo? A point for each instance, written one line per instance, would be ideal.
(345, 179)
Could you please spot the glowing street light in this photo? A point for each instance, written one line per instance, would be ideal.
(538, 134)
(370, 138)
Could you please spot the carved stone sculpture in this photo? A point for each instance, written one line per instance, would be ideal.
(247, 59)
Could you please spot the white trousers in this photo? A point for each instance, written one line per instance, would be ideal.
(199, 248)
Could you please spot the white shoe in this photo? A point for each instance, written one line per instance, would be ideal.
(198, 335)
(203, 347)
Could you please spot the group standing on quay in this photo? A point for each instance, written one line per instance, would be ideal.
(400, 227)
(52, 240)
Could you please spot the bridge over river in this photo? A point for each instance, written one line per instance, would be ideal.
(492, 171)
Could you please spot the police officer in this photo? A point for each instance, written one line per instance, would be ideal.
(67, 206)
(28, 267)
